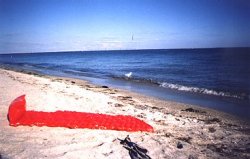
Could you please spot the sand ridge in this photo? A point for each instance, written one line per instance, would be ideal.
(203, 133)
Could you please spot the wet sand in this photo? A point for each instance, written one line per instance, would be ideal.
(181, 130)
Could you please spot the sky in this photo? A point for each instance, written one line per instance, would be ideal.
(79, 25)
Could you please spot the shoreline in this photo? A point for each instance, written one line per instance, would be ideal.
(99, 88)
(235, 106)
(173, 122)
(181, 99)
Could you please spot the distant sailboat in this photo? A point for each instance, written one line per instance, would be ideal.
(132, 37)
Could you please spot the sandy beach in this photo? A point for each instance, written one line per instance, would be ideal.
(202, 133)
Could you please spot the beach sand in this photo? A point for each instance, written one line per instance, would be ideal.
(202, 132)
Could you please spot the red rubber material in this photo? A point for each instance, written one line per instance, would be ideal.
(18, 115)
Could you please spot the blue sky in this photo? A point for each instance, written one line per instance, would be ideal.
(60, 25)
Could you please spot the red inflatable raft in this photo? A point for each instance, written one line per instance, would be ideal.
(18, 115)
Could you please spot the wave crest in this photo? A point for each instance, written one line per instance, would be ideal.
(197, 90)
(129, 75)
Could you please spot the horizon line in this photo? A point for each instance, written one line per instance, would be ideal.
(123, 50)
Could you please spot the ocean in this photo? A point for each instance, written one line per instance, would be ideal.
(217, 78)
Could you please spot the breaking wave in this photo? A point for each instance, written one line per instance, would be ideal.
(198, 90)
(183, 88)
(129, 75)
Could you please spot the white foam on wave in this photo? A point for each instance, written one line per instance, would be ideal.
(129, 75)
(197, 90)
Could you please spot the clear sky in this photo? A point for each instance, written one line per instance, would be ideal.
(60, 25)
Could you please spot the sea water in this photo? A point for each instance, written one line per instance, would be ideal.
(218, 78)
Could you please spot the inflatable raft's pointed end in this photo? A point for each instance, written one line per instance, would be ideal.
(149, 129)
(17, 110)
